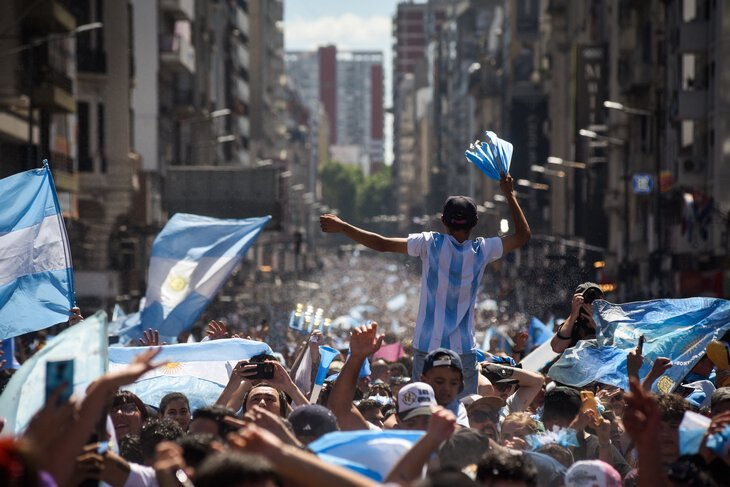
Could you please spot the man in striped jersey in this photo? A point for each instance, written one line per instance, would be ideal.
(453, 265)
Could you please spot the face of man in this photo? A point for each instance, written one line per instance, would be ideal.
(375, 416)
(265, 397)
(445, 381)
(417, 423)
(484, 420)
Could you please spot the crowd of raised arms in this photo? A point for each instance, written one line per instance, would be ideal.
(432, 408)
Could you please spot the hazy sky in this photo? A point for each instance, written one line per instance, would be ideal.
(348, 24)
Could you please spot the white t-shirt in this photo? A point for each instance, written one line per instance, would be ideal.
(449, 281)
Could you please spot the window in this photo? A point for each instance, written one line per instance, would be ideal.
(86, 164)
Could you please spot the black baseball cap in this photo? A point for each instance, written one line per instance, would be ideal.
(460, 212)
(443, 357)
(589, 290)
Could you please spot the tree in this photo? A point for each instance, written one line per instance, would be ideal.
(340, 184)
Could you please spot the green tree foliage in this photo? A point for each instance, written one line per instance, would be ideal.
(355, 196)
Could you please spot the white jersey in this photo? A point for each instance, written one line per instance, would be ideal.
(449, 281)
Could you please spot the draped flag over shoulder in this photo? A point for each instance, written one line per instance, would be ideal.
(199, 370)
(36, 279)
(191, 259)
(678, 329)
(24, 395)
(492, 157)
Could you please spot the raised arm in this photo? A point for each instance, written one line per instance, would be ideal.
(364, 341)
(522, 229)
(332, 224)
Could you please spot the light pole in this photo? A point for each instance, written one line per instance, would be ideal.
(591, 134)
(559, 161)
(31, 81)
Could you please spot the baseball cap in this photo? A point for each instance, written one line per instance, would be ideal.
(312, 420)
(498, 375)
(589, 290)
(475, 400)
(415, 399)
(460, 211)
(592, 473)
(442, 357)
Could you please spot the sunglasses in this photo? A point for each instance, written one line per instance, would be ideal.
(480, 416)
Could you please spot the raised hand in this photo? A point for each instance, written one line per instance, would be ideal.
(330, 223)
(140, 365)
(506, 184)
(253, 439)
(75, 316)
(365, 340)
(442, 424)
(151, 338)
(641, 416)
(217, 330)
(520, 340)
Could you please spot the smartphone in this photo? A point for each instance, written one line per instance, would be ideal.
(264, 370)
(640, 347)
(60, 372)
(588, 401)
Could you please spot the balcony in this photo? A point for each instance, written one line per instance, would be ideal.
(49, 17)
(179, 9)
(241, 21)
(91, 61)
(177, 54)
(694, 36)
(53, 90)
(241, 56)
(692, 104)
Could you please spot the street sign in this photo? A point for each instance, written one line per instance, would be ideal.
(642, 183)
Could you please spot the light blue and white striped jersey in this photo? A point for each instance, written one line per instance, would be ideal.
(449, 280)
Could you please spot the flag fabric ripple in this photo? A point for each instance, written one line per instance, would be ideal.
(678, 329)
(36, 277)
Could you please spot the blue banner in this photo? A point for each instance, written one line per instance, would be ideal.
(678, 329)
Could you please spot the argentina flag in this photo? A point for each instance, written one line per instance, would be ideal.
(678, 329)
(492, 157)
(36, 277)
(191, 259)
(199, 370)
(85, 343)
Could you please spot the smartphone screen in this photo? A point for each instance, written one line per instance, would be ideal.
(57, 373)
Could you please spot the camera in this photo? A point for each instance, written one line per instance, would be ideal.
(591, 295)
(264, 370)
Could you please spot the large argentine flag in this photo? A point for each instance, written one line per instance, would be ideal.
(198, 370)
(85, 343)
(679, 329)
(36, 281)
(191, 259)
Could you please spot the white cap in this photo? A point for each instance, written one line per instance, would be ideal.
(415, 399)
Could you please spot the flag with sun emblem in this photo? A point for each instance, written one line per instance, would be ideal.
(678, 329)
(191, 259)
(199, 370)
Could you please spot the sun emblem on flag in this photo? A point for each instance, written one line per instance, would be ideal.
(178, 283)
(664, 384)
(171, 368)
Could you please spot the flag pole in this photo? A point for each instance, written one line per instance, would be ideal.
(62, 228)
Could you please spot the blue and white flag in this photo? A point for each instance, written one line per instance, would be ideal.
(678, 329)
(491, 157)
(191, 259)
(36, 277)
(370, 453)
(539, 333)
(85, 343)
(198, 370)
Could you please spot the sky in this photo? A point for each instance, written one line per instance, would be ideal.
(348, 24)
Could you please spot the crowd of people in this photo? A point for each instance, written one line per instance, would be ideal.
(439, 412)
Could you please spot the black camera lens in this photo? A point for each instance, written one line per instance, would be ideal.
(591, 295)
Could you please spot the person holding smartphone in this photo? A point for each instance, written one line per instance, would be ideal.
(580, 324)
